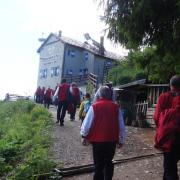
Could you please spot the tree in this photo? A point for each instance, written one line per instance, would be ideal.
(137, 65)
(147, 23)
(120, 74)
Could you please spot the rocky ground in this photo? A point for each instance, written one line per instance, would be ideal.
(68, 151)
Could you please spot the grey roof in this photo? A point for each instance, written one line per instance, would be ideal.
(134, 83)
(141, 82)
(84, 45)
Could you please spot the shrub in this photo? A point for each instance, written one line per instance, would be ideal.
(25, 138)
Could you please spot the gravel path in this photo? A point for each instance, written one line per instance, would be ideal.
(68, 151)
(67, 148)
(150, 169)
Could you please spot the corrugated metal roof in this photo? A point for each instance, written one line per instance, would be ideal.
(84, 45)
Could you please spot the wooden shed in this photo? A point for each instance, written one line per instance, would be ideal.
(138, 99)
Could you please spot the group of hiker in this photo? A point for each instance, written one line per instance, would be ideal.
(102, 125)
(44, 96)
(65, 96)
(40, 94)
(69, 97)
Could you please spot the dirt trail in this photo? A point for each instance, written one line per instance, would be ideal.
(68, 151)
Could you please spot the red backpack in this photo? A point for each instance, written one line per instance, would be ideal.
(76, 94)
(169, 125)
(63, 92)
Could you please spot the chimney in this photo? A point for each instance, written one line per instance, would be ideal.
(102, 41)
(60, 33)
(102, 45)
(42, 39)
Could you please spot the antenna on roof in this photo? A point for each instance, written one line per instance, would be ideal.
(95, 43)
(42, 39)
(87, 36)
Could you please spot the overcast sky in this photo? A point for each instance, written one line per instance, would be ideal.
(24, 21)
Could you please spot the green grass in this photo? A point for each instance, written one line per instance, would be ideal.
(25, 140)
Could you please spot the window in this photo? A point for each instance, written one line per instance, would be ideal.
(43, 73)
(108, 63)
(86, 56)
(71, 53)
(55, 71)
(69, 72)
(80, 72)
(85, 71)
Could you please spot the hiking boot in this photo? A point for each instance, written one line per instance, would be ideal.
(61, 124)
(72, 119)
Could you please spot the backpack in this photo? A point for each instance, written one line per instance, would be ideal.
(76, 94)
(63, 92)
(169, 125)
(87, 105)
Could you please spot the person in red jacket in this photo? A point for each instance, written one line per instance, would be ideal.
(42, 95)
(63, 94)
(104, 128)
(38, 94)
(165, 101)
(75, 99)
(47, 97)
